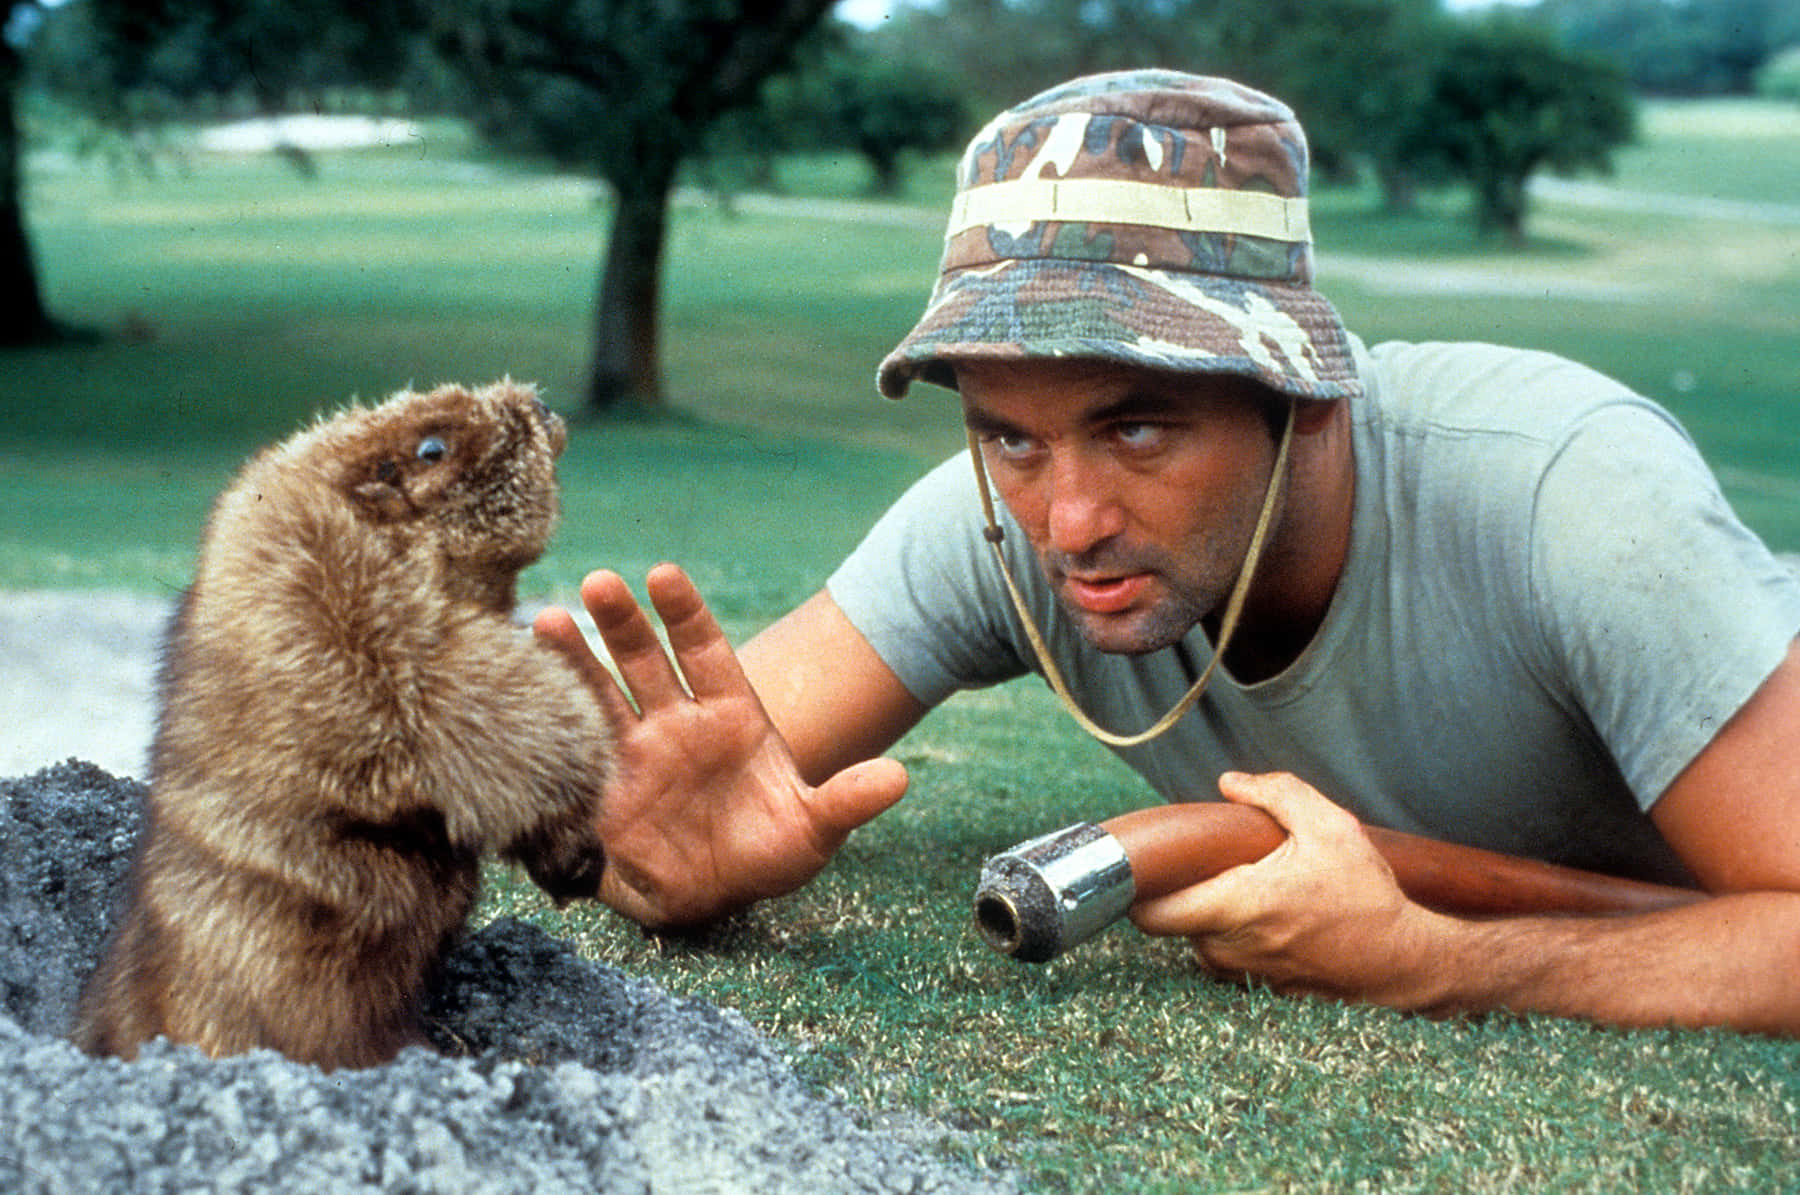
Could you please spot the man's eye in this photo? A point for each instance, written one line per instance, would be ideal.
(1139, 436)
(1013, 447)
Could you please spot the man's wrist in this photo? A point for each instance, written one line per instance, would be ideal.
(1435, 962)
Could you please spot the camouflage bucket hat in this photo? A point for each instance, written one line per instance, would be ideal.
(1148, 217)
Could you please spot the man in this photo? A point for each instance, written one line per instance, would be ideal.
(1463, 591)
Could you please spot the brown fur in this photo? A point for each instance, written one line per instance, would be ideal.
(349, 718)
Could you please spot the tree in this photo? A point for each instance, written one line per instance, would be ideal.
(1351, 69)
(1321, 56)
(876, 96)
(1779, 78)
(1679, 47)
(129, 62)
(1004, 51)
(887, 109)
(102, 53)
(626, 90)
(265, 55)
(25, 320)
(1505, 101)
(623, 89)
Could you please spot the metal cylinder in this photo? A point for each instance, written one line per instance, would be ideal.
(1044, 896)
(1053, 892)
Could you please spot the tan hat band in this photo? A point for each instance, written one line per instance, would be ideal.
(1026, 201)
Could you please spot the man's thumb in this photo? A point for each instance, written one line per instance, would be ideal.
(857, 794)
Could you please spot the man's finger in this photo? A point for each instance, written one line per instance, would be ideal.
(705, 657)
(636, 651)
(556, 628)
(1294, 804)
(855, 795)
(1221, 903)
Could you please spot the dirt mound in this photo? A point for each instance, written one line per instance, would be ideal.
(558, 1074)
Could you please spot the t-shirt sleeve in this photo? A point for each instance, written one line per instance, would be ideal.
(923, 589)
(1662, 610)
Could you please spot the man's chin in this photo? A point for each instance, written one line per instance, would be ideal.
(1134, 634)
(1145, 618)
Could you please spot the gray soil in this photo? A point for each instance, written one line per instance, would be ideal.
(555, 1074)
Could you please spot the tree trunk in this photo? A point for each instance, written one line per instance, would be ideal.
(1399, 188)
(628, 320)
(23, 319)
(1503, 207)
(885, 166)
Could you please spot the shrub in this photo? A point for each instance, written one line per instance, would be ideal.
(1779, 77)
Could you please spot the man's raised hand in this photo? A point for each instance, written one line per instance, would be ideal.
(708, 811)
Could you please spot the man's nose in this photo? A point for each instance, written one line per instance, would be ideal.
(1083, 512)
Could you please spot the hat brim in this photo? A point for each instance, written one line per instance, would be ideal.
(1285, 335)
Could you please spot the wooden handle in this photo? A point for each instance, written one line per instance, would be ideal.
(1173, 846)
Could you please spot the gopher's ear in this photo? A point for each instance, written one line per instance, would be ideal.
(379, 498)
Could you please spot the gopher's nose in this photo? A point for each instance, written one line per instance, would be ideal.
(554, 427)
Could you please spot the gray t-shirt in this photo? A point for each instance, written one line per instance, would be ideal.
(1547, 611)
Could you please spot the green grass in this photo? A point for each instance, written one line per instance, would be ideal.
(242, 300)
(1746, 150)
(1698, 313)
(633, 494)
(1118, 1068)
(252, 299)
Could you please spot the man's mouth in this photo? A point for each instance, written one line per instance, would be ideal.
(1106, 595)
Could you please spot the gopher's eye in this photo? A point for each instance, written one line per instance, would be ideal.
(432, 448)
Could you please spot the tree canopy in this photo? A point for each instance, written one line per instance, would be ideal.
(881, 101)
(622, 90)
(1678, 47)
(25, 320)
(625, 90)
(1503, 101)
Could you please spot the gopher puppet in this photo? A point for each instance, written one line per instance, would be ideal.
(349, 718)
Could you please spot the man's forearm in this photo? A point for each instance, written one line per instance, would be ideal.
(1732, 961)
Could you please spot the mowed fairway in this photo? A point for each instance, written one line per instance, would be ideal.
(241, 298)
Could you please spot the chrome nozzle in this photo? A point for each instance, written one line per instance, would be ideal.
(1053, 892)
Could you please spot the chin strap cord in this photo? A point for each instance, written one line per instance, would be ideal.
(1234, 605)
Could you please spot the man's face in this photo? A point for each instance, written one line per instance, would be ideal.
(1138, 490)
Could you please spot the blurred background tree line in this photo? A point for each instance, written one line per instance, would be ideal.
(632, 92)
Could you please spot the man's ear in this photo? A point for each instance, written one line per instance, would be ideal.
(1314, 415)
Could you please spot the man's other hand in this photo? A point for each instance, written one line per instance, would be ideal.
(1321, 913)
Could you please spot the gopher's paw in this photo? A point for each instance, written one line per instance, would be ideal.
(566, 863)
